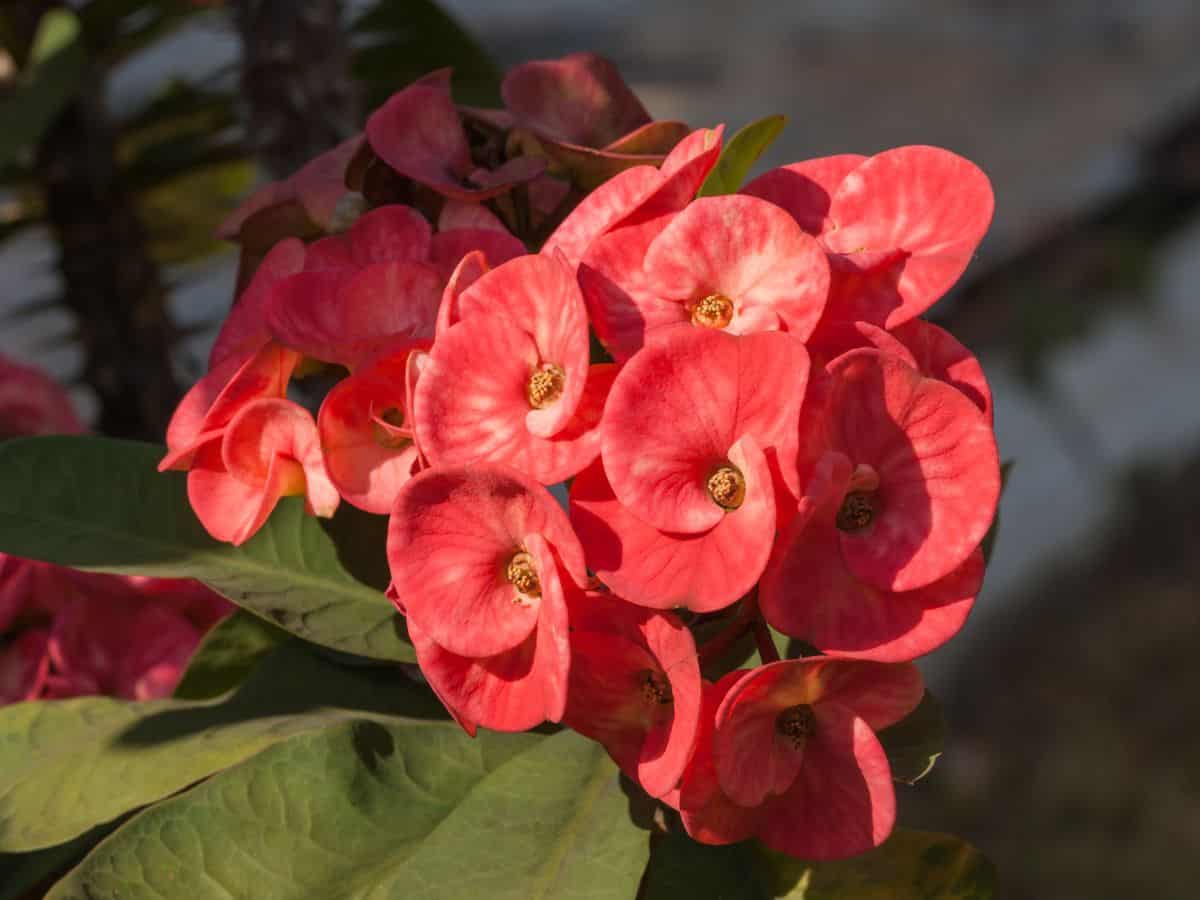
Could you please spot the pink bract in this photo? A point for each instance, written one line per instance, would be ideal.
(677, 408)
(900, 227)
(733, 263)
(794, 759)
(510, 381)
(482, 558)
(808, 592)
(635, 687)
(418, 133)
(269, 450)
(925, 473)
(366, 433)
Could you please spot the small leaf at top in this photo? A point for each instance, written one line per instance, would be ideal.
(739, 156)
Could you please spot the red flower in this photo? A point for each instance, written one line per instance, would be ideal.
(24, 666)
(736, 264)
(483, 559)
(808, 592)
(33, 403)
(509, 382)
(634, 687)
(899, 227)
(792, 758)
(586, 117)
(419, 133)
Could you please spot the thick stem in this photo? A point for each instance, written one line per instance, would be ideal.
(296, 80)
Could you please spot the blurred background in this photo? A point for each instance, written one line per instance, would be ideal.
(129, 128)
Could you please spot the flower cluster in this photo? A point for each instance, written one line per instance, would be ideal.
(756, 430)
(65, 633)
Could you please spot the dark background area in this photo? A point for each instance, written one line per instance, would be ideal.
(1071, 693)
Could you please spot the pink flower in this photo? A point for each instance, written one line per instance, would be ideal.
(686, 513)
(586, 117)
(509, 382)
(792, 757)
(638, 195)
(924, 473)
(634, 687)
(269, 450)
(808, 592)
(418, 132)
(483, 559)
(899, 227)
(733, 263)
(302, 205)
(33, 403)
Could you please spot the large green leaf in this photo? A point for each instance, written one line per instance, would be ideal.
(740, 155)
(68, 765)
(98, 504)
(53, 73)
(27, 875)
(914, 744)
(911, 865)
(227, 655)
(368, 810)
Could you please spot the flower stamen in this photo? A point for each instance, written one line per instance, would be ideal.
(797, 724)
(521, 574)
(656, 690)
(714, 311)
(545, 386)
(857, 511)
(727, 487)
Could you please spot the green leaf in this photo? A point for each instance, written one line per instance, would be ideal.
(227, 655)
(69, 765)
(914, 744)
(51, 78)
(408, 40)
(22, 873)
(910, 865)
(372, 810)
(98, 504)
(740, 154)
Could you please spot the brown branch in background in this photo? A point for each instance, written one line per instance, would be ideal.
(111, 282)
(295, 80)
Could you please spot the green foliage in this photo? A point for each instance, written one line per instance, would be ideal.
(98, 504)
(384, 810)
(69, 765)
(911, 865)
(914, 744)
(22, 873)
(227, 655)
(52, 76)
(740, 154)
(405, 41)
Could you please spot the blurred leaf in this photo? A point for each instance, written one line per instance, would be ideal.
(98, 504)
(227, 655)
(989, 539)
(182, 214)
(910, 865)
(914, 744)
(117, 29)
(405, 41)
(373, 810)
(51, 78)
(69, 765)
(740, 155)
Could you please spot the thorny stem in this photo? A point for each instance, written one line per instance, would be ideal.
(748, 618)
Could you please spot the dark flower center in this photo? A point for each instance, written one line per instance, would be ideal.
(797, 724)
(655, 688)
(857, 511)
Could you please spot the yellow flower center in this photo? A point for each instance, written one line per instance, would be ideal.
(727, 487)
(522, 575)
(714, 311)
(545, 386)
